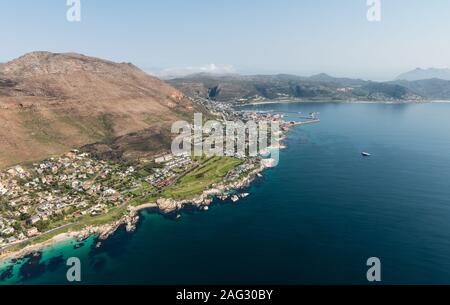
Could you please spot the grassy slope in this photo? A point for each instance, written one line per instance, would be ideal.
(212, 171)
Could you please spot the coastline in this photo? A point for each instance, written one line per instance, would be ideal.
(154, 247)
(220, 190)
(291, 101)
(6, 256)
(102, 231)
(163, 206)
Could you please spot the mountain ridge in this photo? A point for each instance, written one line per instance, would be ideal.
(282, 86)
(53, 102)
(423, 74)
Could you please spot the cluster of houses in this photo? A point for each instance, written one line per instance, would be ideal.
(69, 186)
(6, 230)
(238, 171)
(173, 165)
(222, 110)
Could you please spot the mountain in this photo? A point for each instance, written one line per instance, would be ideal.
(421, 74)
(283, 86)
(432, 89)
(213, 69)
(51, 103)
(325, 78)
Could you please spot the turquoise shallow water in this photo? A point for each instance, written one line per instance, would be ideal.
(314, 219)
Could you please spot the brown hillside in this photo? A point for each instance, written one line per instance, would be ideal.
(50, 103)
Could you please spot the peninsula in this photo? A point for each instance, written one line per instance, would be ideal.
(117, 169)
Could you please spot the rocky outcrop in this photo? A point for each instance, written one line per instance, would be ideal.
(168, 205)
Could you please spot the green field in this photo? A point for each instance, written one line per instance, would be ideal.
(211, 171)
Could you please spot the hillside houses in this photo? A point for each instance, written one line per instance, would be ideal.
(164, 176)
(70, 186)
(57, 187)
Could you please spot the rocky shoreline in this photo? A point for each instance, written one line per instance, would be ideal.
(168, 206)
(102, 231)
(163, 206)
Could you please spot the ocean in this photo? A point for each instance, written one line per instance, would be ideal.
(314, 219)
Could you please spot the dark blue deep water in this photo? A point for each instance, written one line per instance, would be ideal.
(314, 219)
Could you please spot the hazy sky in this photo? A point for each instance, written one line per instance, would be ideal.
(250, 36)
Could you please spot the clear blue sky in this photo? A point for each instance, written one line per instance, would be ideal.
(255, 36)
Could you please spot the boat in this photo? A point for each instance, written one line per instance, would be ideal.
(205, 208)
(365, 154)
(234, 198)
(243, 195)
(78, 246)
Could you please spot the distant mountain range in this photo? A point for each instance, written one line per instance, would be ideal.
(244, 88)
(51, 103)
(422, 74)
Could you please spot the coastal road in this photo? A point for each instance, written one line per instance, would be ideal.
(35, 237)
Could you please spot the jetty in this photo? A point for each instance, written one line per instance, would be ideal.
(305, 119)
(310, 121)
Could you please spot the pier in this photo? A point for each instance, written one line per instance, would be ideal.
(309, 119)
(312, 121)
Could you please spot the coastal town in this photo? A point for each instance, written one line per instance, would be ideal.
(52, 195)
